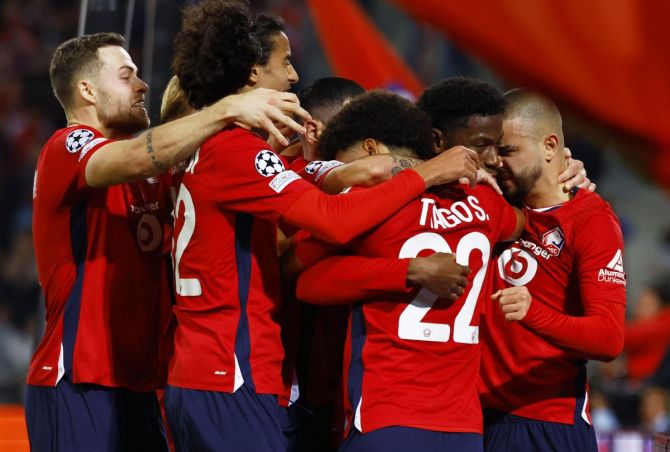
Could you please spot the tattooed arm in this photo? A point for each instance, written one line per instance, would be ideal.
(157, 149)
(375, 169)
(366, 172)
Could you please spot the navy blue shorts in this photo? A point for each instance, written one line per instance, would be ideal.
(403, 439)
(509, 433)
(85, 417)
(219, 421)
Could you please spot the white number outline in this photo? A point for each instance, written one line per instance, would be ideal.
(410, 325)
(187, 287)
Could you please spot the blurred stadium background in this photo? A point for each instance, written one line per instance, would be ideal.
(606, 64)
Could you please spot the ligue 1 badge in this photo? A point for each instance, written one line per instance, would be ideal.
(553, 241)
(77, 139)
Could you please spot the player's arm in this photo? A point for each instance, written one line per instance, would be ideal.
(156, 150)
(338, 219)
(347, 279)
(373, 170)
(366, 172)
(599, 333)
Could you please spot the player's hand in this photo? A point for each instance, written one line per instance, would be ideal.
(514, 302)
(286, 132)
(262, 108)
(449, 166)
(575, 175)
(440, 274)
(484, 177)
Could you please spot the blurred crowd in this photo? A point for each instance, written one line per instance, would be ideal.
(630, 393)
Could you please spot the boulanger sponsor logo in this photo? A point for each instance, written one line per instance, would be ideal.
(516, 266)
(613, 272)
(553, 241)
(77, 139)
(282, 180)
(268, 164)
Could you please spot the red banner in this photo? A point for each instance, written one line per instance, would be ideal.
(607, 59)
(357, 50)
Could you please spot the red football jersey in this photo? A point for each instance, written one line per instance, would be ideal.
(411, 359)
(99, 258)
(226, 271)
(570, 259)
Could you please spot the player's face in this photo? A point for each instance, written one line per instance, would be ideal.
(120, 92)
(521, 154)
(278, 73)
(481, 134)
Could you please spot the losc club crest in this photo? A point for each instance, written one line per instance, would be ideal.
(268, 164)
(77, 139)
(553, 241)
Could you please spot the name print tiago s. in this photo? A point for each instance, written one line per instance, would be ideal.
(459, 212)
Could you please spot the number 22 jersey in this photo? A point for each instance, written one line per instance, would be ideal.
(413, 359)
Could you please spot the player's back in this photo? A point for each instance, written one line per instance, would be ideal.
(564, 256)
(226, 269)
(412, 359)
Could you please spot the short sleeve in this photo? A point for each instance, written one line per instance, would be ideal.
(315, 172)
(250, 177)
(66, 157)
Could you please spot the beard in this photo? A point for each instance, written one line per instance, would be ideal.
(124, 121)
(516, 188)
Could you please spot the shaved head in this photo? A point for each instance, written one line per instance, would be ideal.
(537, 113)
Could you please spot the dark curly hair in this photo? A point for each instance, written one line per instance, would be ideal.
(383, 116)
(450, 102)
(264, 29)
(214, 50)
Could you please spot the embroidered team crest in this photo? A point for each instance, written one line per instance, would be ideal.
(268, 164)
(553, 241)
(77, 139)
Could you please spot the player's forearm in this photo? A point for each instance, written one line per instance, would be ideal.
(155, 150)
(366, 172)
(338, 219)
(348, 279)
(599, 334)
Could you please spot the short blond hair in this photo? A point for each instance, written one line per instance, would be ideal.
(174, 103)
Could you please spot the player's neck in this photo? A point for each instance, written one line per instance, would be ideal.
(546, 193)
(88, 117)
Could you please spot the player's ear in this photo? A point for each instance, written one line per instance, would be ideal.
(551, 146)
(253, 76)
(370, 146)
(86, 91)
(438, 141)
(313, 131)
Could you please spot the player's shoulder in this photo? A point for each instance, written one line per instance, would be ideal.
(75, 139)
(237, 137)
(486, 193)
(587, 206)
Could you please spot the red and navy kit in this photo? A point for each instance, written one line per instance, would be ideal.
(226, 272)
(98, 254)
(412, 358)
(570, 259)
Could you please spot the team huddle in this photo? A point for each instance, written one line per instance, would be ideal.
(338, 269)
